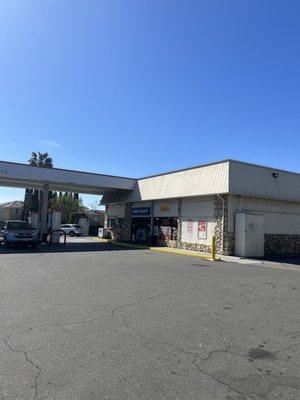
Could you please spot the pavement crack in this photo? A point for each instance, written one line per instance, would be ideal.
(196, 357)
(157, 342)
(210, 354)
(152, 298)
(111, 314)
(29, 361)
(221, 382)
(287, 348)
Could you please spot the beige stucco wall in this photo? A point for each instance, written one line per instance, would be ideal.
(116, 210)
(166, 208)
(192, 211)
(281, 217)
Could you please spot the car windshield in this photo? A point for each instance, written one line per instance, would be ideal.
(76, 226)
(18, 225)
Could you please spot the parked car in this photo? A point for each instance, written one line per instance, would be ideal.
(72, 229)
(18, 233)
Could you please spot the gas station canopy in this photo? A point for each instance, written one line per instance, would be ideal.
(27, 176)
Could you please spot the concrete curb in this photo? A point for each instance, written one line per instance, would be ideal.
(168, 250)
(102, 240)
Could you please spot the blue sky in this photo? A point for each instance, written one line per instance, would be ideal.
(138, 87)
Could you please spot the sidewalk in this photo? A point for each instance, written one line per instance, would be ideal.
(275, 264)
(169, 250)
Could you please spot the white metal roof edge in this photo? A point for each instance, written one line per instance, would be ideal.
(228, 160)
(167, 172)
(68, 170)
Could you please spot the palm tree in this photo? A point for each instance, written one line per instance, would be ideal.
(40, 160)
(34, 198)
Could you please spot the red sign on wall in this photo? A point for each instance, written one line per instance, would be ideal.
(202, 229)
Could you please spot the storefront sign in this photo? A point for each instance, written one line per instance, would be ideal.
(202, 229)
(140, 211)
(164, 208)
(190, 226)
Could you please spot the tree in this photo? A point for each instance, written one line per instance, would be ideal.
(69, 207)
(40, 160)
(33, 197)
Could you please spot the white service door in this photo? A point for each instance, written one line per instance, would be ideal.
(254, 235)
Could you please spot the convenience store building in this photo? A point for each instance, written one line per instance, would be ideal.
(252, 210)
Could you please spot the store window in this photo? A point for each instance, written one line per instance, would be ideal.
(165, 228)
(140, 229)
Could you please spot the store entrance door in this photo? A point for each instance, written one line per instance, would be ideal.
(140, 229)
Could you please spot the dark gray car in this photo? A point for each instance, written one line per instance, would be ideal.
(18, 233)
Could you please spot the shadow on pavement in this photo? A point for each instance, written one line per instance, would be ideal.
(294, 260)
(69, 248)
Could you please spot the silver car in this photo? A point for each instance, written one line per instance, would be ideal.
(14, 233)
(72, 229)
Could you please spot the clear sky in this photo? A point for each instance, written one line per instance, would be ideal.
(138, 87)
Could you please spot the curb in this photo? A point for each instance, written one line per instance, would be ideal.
(168, 250)
(181, 252)
(102, 240)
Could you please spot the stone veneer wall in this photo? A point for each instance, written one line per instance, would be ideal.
(229, 244)
(126, 228)
(282, 244)
(106, 216)
(150, 236)
(123, 233)
(175, 244)
(228, 238)
(179, 226)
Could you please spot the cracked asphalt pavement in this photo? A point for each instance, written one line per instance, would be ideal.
(112, 323)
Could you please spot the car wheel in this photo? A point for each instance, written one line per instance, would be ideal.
(72, 233)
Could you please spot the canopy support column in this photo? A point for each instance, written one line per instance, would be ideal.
(44, 210)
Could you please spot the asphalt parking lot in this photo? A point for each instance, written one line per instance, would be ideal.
(114, 323)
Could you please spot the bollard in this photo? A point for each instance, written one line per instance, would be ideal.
(213, 248)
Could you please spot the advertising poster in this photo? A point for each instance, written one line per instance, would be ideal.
(190, 226)
(202, 228)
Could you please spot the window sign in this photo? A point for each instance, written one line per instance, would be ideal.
(190, 226)
(202, 228)
(140, 211)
